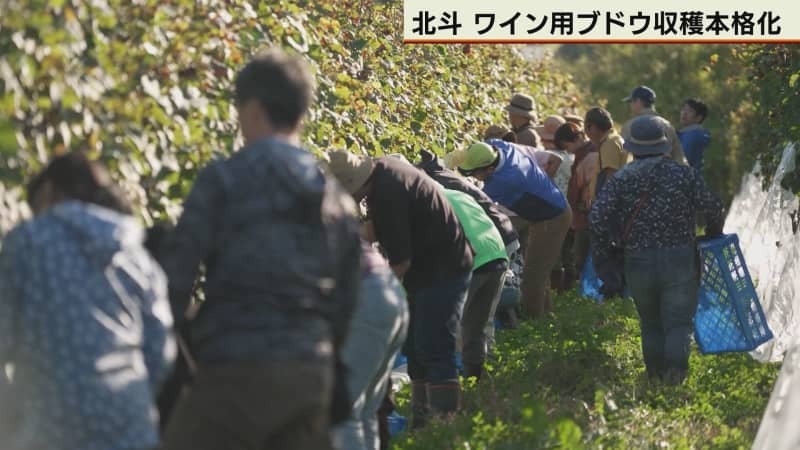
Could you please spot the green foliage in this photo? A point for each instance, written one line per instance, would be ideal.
(577, 380)
(608, 73)
(774, 75)
(753, 93)
(146, 86)
(12, 208)
(143, 85)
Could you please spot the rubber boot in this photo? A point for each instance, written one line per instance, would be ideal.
(419, 404)
(444, 398)
(473, 370)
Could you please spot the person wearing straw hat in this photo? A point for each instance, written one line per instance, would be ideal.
(642, 103)
(515, 181)
(548, 129)
(646, 212)
(428, 250)
(573, 118)
(521, 111)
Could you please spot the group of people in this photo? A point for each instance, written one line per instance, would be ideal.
(574, 187)
(288, 285)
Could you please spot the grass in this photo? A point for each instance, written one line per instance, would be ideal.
(576, 380)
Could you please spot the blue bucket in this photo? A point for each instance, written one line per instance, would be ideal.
(397, 424)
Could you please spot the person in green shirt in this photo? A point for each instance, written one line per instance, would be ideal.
(488, 273)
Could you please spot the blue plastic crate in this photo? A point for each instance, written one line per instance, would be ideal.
(397, 423)
(400, 360)
(729, 317)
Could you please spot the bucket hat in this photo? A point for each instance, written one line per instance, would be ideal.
(522, 105)
(647, 137)
(351, 170)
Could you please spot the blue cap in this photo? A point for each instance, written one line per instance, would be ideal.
(642, 93)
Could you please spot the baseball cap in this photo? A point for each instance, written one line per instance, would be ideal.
(642, 93)
(477, 156)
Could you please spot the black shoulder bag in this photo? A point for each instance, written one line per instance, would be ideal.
(612, 271)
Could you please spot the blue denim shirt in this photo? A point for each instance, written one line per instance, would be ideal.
(85, 322)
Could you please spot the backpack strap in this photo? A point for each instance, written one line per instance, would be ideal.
(640, 202)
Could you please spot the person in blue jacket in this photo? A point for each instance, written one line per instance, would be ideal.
(512, 179)
(694, 137)
(84, 318)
